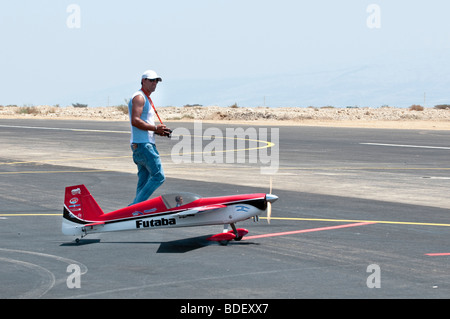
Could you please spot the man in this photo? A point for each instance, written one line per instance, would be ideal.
(143, 130)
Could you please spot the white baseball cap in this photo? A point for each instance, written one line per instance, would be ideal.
(151, 75)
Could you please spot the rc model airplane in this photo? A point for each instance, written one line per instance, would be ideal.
(82, 215)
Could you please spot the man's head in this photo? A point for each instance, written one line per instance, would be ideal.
(149, 81)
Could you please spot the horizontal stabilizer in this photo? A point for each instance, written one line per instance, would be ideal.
(94, 224)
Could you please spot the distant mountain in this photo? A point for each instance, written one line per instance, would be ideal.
(395, 80)
(398, 83)
(372, 85)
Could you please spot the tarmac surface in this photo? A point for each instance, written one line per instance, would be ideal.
(362, 213)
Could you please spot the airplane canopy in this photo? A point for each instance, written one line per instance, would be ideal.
(179, 199)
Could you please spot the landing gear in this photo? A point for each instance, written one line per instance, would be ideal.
(226, 236)
(239, 233)
(84, 234)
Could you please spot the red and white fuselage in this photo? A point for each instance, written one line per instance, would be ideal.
(82, 215)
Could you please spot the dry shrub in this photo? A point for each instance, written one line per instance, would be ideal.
(27, 110)
(442, 106)
(416, 107)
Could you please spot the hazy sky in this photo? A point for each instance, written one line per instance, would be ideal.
(62, 52)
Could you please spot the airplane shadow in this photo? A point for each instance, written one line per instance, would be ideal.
(81, 242)
(193, 243)
(175, 246)
(183, 245)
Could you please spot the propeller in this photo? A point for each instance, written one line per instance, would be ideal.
(269, 204)
(270, 198)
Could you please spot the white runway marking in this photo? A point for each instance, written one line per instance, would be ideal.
(63, 129)
(46, 283)
(47, 278)
(410, 146)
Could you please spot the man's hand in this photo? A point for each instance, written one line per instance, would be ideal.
(160, 129)
(163, 130)
(136, 112)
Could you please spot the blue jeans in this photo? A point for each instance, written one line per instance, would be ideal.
(150, 171)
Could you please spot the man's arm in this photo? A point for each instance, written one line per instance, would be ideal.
(136, 112)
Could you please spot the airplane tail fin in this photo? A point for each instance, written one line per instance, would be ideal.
(80, 205)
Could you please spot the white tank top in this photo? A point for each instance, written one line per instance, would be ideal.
(148, 115)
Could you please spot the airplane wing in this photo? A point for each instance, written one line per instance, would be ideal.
(200, 210)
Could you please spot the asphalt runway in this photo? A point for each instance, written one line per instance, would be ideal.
(362, 213)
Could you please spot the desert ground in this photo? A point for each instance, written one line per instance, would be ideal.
(382, 117)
